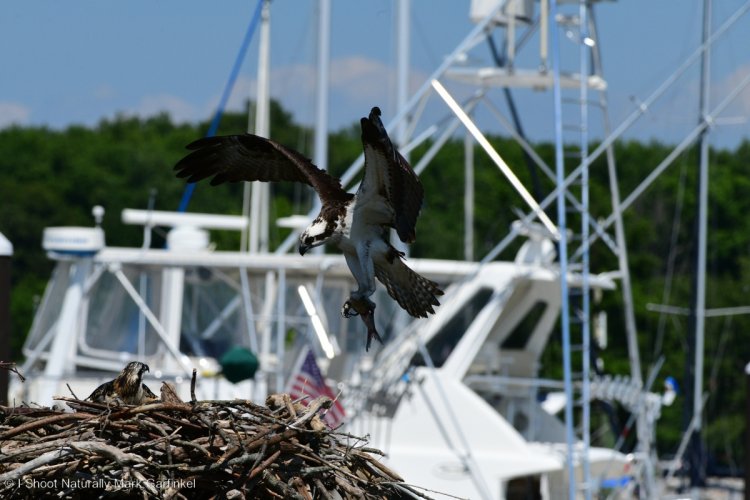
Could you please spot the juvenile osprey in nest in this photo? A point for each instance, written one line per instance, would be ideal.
(127, 387)
(389, 196)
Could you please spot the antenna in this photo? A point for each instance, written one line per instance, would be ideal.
(98, 213)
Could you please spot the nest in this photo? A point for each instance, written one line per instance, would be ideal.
(204, 449)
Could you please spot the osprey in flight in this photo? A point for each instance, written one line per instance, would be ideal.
(127, 387)
(389, 196)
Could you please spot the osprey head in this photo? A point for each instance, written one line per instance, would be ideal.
(136, 367)
(316, 234)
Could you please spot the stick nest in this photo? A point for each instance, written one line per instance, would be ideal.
(171, 449)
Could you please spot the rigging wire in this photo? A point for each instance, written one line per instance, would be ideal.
(669, 278)
(189, 188)
(715, 408)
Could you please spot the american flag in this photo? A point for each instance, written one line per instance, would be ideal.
(308, 381)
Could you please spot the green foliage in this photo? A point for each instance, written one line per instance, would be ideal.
(54, 177)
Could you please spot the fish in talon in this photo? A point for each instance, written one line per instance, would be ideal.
(365, 309)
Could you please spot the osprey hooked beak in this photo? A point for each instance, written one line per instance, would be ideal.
(314, 236)
(141, 368)
(305, 243)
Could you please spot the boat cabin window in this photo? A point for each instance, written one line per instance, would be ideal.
(114, 321)
(520, 335)
(524, 488)
(446, 339)
(45, 323)
(212, 320)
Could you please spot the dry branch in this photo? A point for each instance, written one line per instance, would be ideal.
(10, 366)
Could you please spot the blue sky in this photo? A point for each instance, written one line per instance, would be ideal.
(81, 61)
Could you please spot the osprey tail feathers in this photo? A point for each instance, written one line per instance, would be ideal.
(413, 292)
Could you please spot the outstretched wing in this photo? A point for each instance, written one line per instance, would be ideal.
(248, 157)
(148, 395)
(413, 292)
(389, 176)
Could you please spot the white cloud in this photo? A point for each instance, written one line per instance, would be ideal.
(105, 92)
(13, 113)
(741, 104)
(361, 78)
(244, 88)
(356, 84)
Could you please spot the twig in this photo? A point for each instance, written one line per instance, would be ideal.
(110, 451)
(312, 409)
(412, 488)
(280, 487)
(36, 424)
(71, 391)
(46, 458)
(265, 463)
(192, 386)
(10, 366)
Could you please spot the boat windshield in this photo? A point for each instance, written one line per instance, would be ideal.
(445, 340)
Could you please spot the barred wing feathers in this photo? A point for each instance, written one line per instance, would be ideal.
(248, 157)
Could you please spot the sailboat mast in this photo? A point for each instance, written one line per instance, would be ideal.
(320, 153)
(259, 198)
(697, 315)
